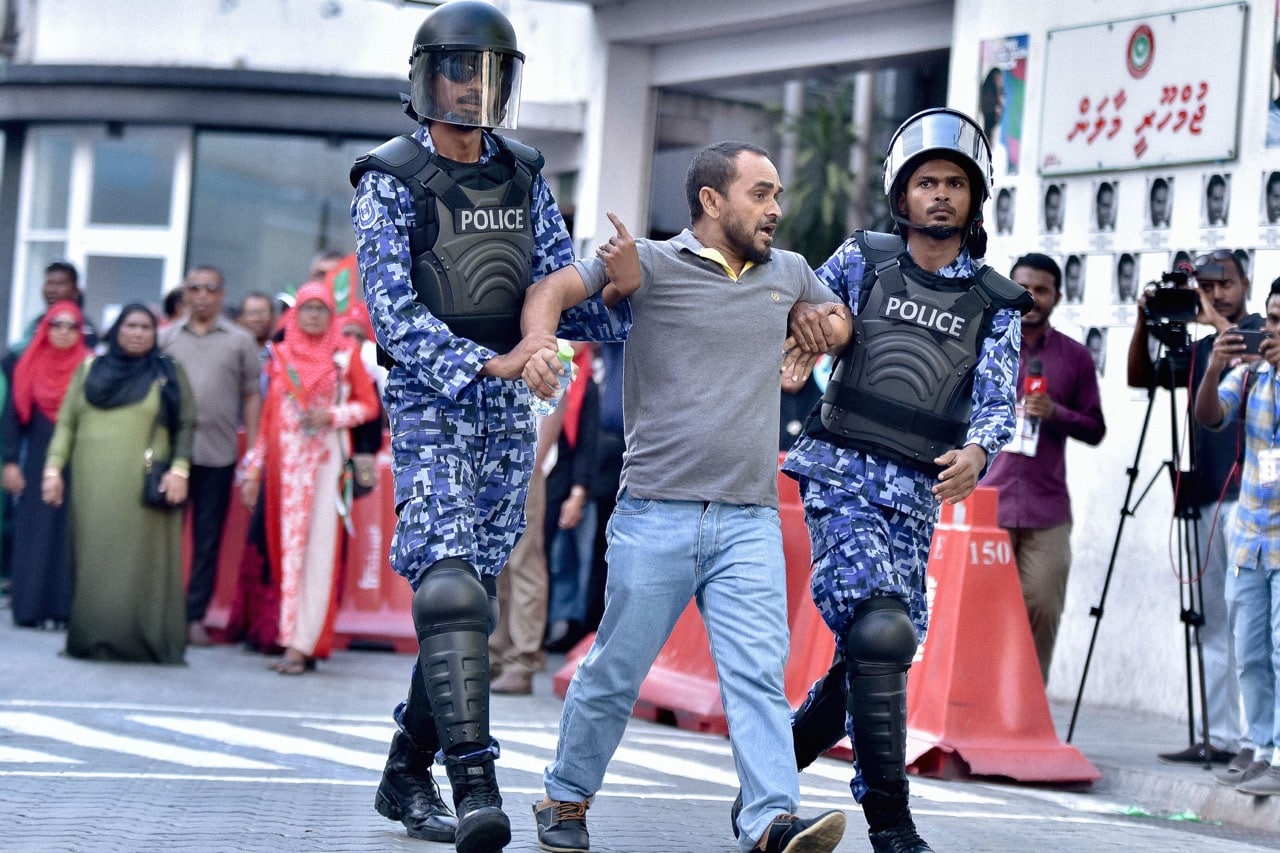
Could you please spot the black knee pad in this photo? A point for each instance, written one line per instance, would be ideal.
(881, 639)
(879, 645)
(451, 612)
(450, 598)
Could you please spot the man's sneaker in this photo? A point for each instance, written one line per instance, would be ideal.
(900, 838)
(1196, 754)
(1235, 769)
(407, 793)
(790, 834)
(1253, 771)
(734, 811)
(1265, 784)
(482, 825)
(562, 826)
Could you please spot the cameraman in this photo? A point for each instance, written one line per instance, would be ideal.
(1224, 287)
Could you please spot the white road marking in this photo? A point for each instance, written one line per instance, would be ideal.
(40, 725)
(14, 755)
(264, 740)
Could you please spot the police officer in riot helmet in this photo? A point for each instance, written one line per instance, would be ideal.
(453, 223)
(917, 405)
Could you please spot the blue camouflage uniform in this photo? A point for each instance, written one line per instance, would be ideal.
(871, 519)
(462, 444)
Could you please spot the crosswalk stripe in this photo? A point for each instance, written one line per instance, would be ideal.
(511, 759)
(40, 725)
(264, 740)
(15, 755)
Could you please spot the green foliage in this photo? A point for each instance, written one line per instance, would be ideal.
(821, 190)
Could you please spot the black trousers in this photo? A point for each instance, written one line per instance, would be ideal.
(209, 496)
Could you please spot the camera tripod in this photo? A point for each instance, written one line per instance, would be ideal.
(1186, 513)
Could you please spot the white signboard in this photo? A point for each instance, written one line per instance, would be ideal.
(1143, 92)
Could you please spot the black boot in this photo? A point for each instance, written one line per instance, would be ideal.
(878, 705)
(408, 794)
(482, 825)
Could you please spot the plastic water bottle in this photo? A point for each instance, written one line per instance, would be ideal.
(542, 407)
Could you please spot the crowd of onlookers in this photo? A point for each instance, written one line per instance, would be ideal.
(274, 401)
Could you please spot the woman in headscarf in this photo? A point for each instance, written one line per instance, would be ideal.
(41, 576)
(318, 389)
(128, 602)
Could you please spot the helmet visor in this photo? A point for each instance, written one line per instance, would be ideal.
(942, 133)
(473, 88)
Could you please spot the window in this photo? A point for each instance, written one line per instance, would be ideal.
(263, 205)
(113, 202)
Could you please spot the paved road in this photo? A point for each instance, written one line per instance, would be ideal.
(224, 755)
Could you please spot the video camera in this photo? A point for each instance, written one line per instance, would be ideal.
(1170, 305)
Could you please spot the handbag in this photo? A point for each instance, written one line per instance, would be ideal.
(153, 476)
(362, 471)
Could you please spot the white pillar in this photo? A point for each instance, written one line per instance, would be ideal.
(617, 156)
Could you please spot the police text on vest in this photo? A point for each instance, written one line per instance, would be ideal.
(923, 314)
(478, 220)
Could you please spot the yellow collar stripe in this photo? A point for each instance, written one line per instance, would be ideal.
(714, 255)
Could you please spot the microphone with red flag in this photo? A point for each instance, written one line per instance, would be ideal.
(1034, 383)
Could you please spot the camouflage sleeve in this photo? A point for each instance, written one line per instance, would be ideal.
(382, 214)
(842, 272)
(991, 424)
(589, 320)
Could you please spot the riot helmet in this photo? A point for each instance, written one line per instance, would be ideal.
(465, 68)
(939, 133)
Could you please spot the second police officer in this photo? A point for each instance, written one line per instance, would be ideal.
(452, 223)
(917, 405)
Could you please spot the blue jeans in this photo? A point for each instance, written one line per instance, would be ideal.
(1221, 684)
(572, 557)
(1253, 600)
(729, 559)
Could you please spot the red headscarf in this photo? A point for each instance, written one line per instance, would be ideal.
(44, 371)
(309, 358)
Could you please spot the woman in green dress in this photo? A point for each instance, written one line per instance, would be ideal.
(128, 602)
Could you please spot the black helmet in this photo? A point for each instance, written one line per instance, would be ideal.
(939, 133)
(472, 46)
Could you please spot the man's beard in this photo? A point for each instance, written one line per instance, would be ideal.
(742, 238)
(1035, 324)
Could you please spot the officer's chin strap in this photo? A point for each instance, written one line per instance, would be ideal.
(937, 232)
(975, 239)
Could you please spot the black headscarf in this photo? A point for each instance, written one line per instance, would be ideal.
(117, 379)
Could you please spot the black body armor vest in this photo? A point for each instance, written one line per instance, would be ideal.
(473, 236)
(904, 388)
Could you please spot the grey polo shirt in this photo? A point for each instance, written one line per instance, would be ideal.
(222, 366)
(701, 381)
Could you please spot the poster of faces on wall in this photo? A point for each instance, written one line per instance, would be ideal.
(1125, 289)
(1104, 205)
(1073, 279)
(1217, 200)
(1005, 202)
(1055, 199)
(1270, 198)
(1159, 201)
(1182, 261)
(1244, 258)
(1095, 338)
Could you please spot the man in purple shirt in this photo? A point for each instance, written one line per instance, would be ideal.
(1035, 507)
